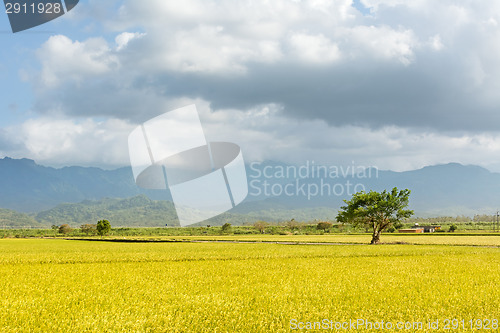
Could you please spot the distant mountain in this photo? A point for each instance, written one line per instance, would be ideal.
(448, 189)
(28, 187)
(276, 190)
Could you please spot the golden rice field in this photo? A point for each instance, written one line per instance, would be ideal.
(417, 239)
(77, 286)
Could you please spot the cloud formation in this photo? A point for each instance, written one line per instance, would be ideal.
(406, 64)
(61, 141)
(264, 133)
(408, 84)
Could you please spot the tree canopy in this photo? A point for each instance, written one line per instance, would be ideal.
(103, 227)
(375, 210)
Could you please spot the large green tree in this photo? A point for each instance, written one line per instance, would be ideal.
(375, 210)
(103, 227)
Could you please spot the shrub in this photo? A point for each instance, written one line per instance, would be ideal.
(324, 226)
(89, 228)
(292, 224)
(65, 229)
(275, 230)
(226, 227)
(261, 226)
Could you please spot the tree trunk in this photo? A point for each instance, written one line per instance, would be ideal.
(375, 237)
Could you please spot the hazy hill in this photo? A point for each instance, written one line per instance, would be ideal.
(449, 189)
(29, 187)
(11, 218)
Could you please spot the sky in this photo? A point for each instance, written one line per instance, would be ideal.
(388, 83)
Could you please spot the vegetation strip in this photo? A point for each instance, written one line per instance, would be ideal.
(116, 240)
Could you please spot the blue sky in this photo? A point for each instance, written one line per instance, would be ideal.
(390, 83)
(361, 7)
(17, 58)
(16, 53)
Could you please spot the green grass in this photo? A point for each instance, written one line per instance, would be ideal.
(77, 286)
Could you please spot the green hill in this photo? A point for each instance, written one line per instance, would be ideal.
(140, 211)
(137, 211)
(10, 218)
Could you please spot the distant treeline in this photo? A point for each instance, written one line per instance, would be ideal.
(451, 219)
(260, 227)
(140, 211)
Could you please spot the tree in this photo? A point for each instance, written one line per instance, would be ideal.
(103, 227)
(261, 226)
(89, 228)
(324, 226)
(226, 227)
(65, 229)
(376, 211)
(292, 224)
(453, 227)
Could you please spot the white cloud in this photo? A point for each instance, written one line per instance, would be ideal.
(124, 38)
(210, 49)
(64, 59)
(226, 36)
(436, 43)
(59, 141)
(315, 48)
(381, 42)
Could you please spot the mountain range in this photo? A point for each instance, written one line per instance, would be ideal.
(276, 191)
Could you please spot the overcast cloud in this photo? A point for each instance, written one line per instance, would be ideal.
(410, 84)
